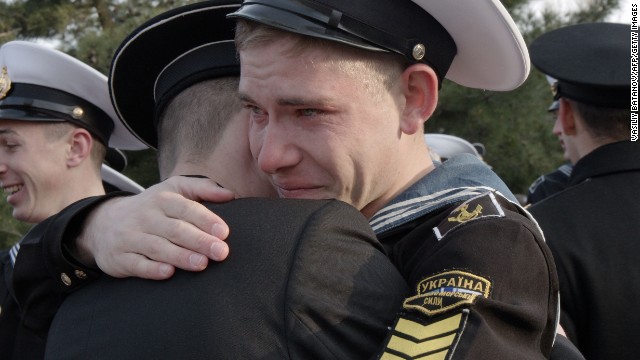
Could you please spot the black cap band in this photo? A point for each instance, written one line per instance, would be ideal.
(208, 61)
(336, 20)
(29, 102)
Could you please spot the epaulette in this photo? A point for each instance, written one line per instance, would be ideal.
(534, 186)
(479, 207)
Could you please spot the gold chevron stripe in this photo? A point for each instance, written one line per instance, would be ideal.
(387, 356)
(421, 332)
(428, 338)
(412, 348)
(437, 356)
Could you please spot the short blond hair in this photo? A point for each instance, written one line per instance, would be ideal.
(57, 130)
(370, 67)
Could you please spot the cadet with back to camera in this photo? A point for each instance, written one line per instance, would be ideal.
(590, 226)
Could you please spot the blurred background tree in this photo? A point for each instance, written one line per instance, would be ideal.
(514, 126)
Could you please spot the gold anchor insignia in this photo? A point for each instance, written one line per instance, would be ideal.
(464, 215)
(5, 83)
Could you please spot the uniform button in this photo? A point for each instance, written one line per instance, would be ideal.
(81, 274)
(418, 52)
(65, 279)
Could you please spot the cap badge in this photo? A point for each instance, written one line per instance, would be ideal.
(77, 112)
(418, 52)
(5, 83)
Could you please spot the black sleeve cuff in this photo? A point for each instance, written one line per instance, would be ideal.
(59, 242)
(43, 274)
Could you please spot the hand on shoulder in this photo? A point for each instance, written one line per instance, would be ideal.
(149, 234)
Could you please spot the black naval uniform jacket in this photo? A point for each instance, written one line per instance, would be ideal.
(305, 279)
(593, 230)
(483, 281)
(26, 310)
(16, 340)
(9, 312)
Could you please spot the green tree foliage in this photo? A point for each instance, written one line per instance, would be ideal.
(10, 229)
(514, 126)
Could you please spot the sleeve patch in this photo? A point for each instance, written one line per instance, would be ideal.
(446, 291)
(413, 338)
(479, 207)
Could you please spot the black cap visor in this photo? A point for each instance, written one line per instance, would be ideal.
(311, 20)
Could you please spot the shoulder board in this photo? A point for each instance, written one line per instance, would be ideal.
(479, 207)
(534, 186)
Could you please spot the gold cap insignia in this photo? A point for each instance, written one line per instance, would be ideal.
(5, 83)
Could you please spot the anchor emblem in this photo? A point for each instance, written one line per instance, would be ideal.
(465, 215)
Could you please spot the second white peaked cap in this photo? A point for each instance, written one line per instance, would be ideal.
(119, 180)
(24, 63)
(448, 145)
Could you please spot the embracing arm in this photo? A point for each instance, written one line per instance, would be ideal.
(145, 235)
(149, 234)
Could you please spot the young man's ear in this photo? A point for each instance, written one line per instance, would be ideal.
(420, 89)
(80, 145)
(567, 116)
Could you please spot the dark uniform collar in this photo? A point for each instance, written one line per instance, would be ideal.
(607, 159)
